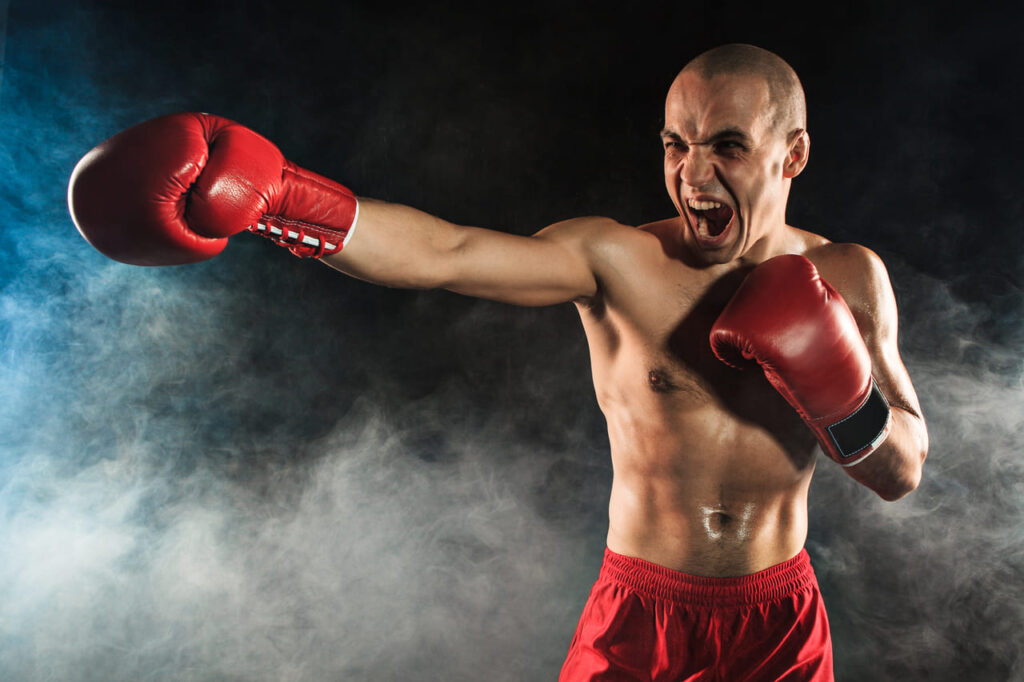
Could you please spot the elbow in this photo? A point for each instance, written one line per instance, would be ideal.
(900, 487)
(904, 482)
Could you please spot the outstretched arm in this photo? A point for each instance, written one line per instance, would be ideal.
(171, 191)
(399, 246)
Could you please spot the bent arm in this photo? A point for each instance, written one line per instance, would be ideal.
(399, 246)
(894, 469)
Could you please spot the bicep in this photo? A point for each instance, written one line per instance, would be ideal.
(552, 266)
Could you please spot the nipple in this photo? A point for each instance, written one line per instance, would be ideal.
(659, 381)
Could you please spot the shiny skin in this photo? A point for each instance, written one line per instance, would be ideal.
(711, 465)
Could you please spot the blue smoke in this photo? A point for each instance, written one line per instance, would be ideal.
(254, 468)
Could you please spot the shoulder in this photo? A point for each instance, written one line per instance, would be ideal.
(595, 235)
(861, 278)
(586, 227)
(601, 241)
(617, 254)
(849, 266)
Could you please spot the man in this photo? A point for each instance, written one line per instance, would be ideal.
(705, 576)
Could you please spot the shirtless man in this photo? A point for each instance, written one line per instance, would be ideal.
(705, 576)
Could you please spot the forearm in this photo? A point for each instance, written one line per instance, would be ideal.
(398, 246)
(894, 469)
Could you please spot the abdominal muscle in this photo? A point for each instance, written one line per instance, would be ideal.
(703, 494)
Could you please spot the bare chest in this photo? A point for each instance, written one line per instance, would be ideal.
(653, 331)
(653, 364)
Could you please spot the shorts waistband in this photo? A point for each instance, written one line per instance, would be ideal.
(660, 582)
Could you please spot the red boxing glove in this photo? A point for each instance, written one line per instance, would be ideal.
(798, 328)
(171, 190)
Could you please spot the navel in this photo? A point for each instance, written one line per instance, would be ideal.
(720, 524)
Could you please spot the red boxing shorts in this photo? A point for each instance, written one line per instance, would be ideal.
(648, 622)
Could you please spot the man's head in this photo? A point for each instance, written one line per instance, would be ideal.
(734, 138)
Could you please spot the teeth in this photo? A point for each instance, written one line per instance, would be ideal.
(702, 227)
(702, 205)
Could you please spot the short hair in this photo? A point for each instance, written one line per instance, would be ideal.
(784, 89)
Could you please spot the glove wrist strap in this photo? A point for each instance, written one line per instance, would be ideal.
(851, 439)
(313, 216)
(305, 240)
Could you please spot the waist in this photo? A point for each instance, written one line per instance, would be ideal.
(704, 529)
(659, 582)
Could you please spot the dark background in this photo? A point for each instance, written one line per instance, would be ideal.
(256, 468)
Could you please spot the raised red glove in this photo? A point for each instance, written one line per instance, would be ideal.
(798, 328)
(171, 190)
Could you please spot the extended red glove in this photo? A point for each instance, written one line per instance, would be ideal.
(798, 328)
(171, 190)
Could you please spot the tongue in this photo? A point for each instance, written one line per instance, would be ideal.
(718, 219)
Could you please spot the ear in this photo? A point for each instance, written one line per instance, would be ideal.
(798, 150)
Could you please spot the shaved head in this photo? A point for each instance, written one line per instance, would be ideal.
(784, 89)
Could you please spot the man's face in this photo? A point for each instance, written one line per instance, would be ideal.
(724, 163)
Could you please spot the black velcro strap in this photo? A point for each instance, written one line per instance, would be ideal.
(862, 428)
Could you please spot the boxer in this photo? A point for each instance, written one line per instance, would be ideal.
(725, 346)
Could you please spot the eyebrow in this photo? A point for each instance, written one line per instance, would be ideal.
(730, 132)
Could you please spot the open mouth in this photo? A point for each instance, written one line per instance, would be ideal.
(710, 219)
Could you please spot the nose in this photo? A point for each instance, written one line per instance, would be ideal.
(698, 170)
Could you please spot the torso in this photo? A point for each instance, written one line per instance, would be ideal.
(711, 465)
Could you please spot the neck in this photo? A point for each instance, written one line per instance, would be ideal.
(778, 240)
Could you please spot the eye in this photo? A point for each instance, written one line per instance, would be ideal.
(729, 147)
(675, 146)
